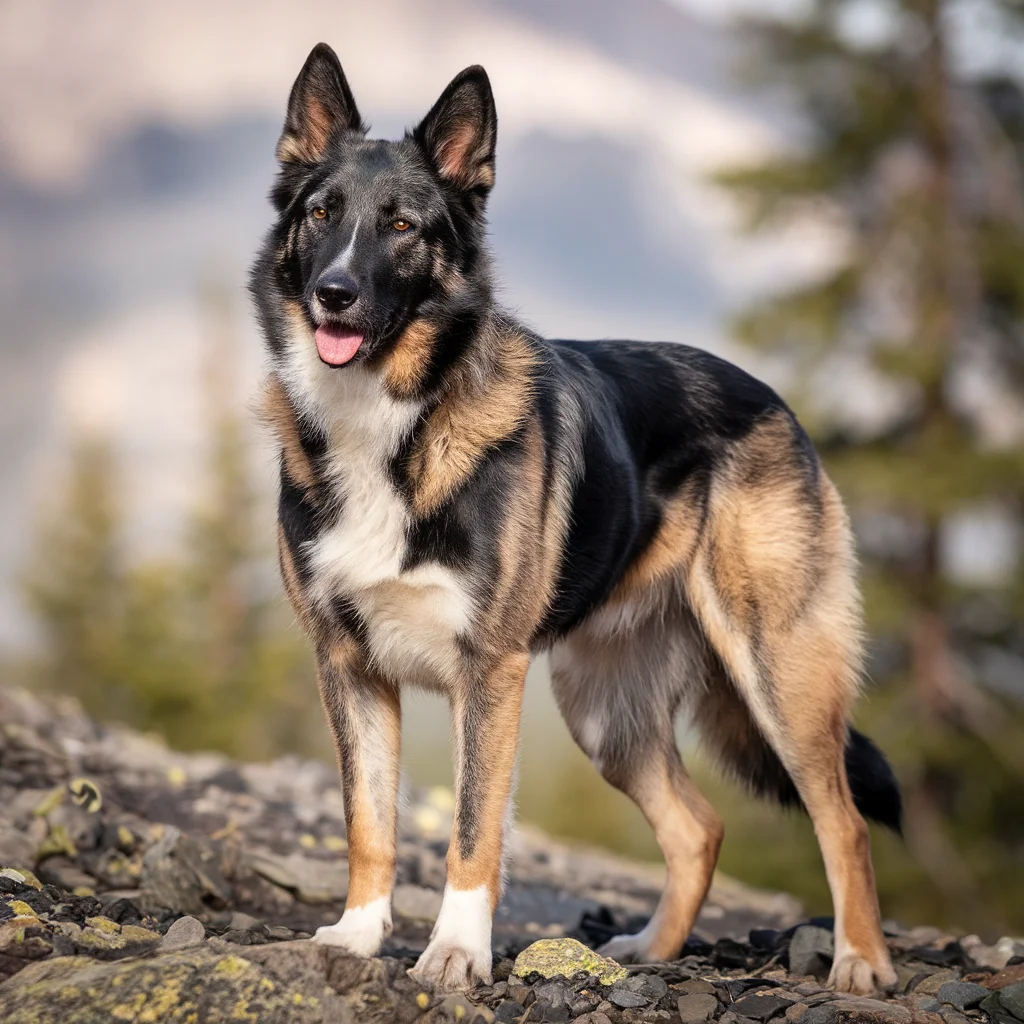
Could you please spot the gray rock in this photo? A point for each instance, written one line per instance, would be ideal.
(182, 873)
(931, 985)
(697, 1007)
(549, 1013)
(555, 993)
(509, 1011)
(696, 985)
(826, 1013)
(625, 1000)
(16, 849)
(761, 1005)
(810, 951)
(1012, 999)
(313, 881)
(860, 1009)
(964, 995)
(416, 903)
(65, 873)
(185, 932)
(242, 921)
(994, 1010)
(649, 985)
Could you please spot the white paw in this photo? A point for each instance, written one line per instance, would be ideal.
(856, 974)
(361, 930)
(627, 949)
(447, 966)
(459, 953)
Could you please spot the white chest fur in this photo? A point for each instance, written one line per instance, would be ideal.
(412, 617)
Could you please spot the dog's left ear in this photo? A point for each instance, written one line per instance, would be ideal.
(460, 132)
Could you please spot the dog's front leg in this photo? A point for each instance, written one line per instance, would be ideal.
(364, 713)
(485, 718)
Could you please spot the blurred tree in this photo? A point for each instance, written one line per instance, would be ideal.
(75, 588)
(912, 155)
(199, 646)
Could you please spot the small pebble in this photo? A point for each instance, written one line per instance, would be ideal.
(624, 999)
(696, 1008)
(185, 932)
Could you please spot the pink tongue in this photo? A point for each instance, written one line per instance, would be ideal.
(337, 346)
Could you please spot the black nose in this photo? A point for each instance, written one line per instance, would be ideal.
(336, 292)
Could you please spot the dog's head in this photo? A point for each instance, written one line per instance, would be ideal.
(372, 233)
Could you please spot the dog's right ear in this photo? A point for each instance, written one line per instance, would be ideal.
(321, 104)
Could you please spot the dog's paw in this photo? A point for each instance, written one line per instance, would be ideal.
(361, 931)
(627, 949)
(448, 966)
(859, 976)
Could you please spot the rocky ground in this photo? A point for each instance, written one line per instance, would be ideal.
(138, 884)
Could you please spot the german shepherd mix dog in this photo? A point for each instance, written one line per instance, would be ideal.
(458, 494)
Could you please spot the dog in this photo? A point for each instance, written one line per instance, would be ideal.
(458, 494)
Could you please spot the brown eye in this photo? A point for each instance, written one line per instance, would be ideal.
(320, 212)
(401, 225)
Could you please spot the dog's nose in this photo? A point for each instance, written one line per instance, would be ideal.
(336, 292)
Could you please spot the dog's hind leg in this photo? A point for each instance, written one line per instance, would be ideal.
(619, 700)
(774, 590)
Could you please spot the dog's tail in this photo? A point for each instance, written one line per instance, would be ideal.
(742, 750)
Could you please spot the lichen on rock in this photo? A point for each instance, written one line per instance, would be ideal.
(566, 958)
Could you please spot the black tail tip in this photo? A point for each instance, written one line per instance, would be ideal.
(875, 789)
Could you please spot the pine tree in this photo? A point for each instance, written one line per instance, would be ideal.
(916, 163)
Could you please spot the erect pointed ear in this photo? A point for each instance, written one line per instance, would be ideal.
(460, 132)
(320, 105)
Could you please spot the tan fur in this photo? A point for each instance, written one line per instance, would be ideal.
(368, 765)
(689, 833)
(455, 159)
(486, 406)
(407, 361)
(526, 562)
(309, 147)
(498, 738)
(277, 411)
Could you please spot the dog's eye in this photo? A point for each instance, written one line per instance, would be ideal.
(401, 225)
(320, 213)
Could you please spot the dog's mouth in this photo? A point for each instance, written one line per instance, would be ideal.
(337, 345)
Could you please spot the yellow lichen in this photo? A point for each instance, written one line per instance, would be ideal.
(162, 999)
(566, 958)
(241, 1011)
(422, 1000)
(232, 965)
(103, 924)
(22, 909)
